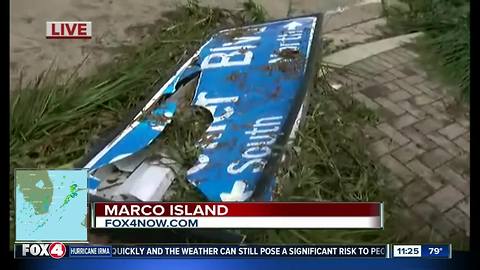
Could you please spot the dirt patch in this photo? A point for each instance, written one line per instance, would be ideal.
(290, 67)
(291, 63)
(233, 76)
(276, 92)
(289, 54)
(239, 78)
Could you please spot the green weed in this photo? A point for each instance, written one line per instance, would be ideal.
(445, 47)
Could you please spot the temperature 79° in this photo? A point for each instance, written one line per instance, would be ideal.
(436, 250)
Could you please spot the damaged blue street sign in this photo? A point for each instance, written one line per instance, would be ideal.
(253, 80)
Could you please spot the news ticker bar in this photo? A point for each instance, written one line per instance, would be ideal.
(59, 250)
(276, 215)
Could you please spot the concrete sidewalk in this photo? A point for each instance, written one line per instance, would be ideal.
(423, 137)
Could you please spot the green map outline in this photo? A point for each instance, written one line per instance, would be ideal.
(42, 200)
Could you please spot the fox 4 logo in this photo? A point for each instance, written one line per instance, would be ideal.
(55, 250)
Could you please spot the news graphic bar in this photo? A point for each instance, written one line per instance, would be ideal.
(251, 215)
(204, 251)
(430, 251)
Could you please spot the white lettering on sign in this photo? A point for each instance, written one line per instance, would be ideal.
(288, 40)
(201, 163)
(226, 59)
(256, 152)
(214, 132)
(290, 36)
(264, 134)
(241, 40)
(238, 52)
(202, 100)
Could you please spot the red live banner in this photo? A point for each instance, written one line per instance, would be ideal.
(238, 215)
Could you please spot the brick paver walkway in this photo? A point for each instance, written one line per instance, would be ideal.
(423, 138)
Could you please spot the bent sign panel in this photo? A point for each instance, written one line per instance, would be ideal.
(253, 80)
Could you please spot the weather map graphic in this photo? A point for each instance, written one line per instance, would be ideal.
(51, 205)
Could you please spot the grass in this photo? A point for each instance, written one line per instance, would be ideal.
(445, 47)
(53, 124)
(253, 12)
(54, 121)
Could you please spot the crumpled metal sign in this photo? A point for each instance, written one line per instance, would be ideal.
(253, 81)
